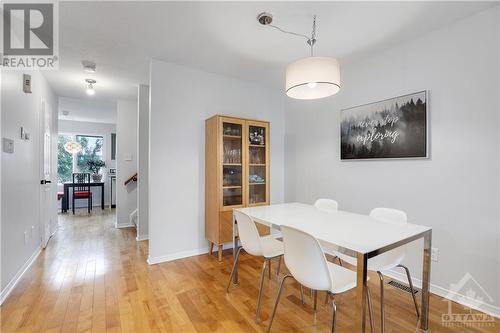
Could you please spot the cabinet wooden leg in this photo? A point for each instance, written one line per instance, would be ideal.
(211, 247)
(219, 252)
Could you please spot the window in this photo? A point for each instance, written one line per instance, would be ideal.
(68, 163)
(64, 159)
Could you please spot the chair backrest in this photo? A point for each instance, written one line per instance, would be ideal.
(394, 217)
(389, 215)
(327, 205)
(248, 234)
(305, 259)
(81, 182)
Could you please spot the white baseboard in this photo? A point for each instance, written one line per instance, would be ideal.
(15, 280)
(447, 294)
(141, 237)
(177, 255)
(127, 225)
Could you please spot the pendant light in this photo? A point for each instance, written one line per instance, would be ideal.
(72, 147)
(311, 77)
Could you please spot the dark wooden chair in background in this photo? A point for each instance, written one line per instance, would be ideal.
(81, 189)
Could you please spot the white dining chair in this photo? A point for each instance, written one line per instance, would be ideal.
(254, 244)
(388, 260)
(307, 264)
(327, 205)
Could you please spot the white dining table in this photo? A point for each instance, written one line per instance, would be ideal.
(356, 235)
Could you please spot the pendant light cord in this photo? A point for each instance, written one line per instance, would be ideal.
(289, 32)
(311, 40)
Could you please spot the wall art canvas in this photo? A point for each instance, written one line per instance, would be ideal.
(393, 128)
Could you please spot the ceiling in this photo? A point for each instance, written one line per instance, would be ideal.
(225, 38)
(87, 110)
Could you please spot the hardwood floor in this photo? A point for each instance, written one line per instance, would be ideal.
(93, 277)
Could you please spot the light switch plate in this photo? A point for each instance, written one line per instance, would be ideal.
(27, 83)
(127, 157)
(7, 145)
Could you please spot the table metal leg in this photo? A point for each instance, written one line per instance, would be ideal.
(111, 194)
(361, 293)
(426, 276)
(66, 199)
(235, 249)
(102, 196)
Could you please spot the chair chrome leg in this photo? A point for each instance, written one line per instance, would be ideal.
(234, 268)
(410, 282)
(282, 283)
(302, 294)
(257, 312)
(334, 319)
(370, 310)
(279, 266)
(382, 317)
(315, 295)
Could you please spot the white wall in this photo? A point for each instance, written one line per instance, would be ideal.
(181, 99)
(456, 191)
(498, 107)
(87, 110)
(143, 161)
(91, 128)
(126, 160)
(20, 182)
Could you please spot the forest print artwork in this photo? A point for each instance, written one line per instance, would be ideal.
(394, 128)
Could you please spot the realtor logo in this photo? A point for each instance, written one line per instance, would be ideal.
(468, 291)
(29, 35)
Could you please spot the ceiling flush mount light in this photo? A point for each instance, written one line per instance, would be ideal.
(90, 86)
(72, 147)
(311, 77)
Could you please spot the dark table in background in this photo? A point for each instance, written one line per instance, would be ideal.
(67, 186)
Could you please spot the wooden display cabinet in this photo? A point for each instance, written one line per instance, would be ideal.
(236, 173)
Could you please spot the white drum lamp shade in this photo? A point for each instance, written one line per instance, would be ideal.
(313, 78)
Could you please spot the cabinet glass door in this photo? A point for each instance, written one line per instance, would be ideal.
(257, 164)
(232, 164)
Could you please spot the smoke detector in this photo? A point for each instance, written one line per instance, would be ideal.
(88, 66)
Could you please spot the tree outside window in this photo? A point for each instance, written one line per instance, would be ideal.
(68, 163)
(64, 160)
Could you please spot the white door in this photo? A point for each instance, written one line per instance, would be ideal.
(47, 196)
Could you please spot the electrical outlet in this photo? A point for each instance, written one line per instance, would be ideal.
(25, 237)
(434, 254)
